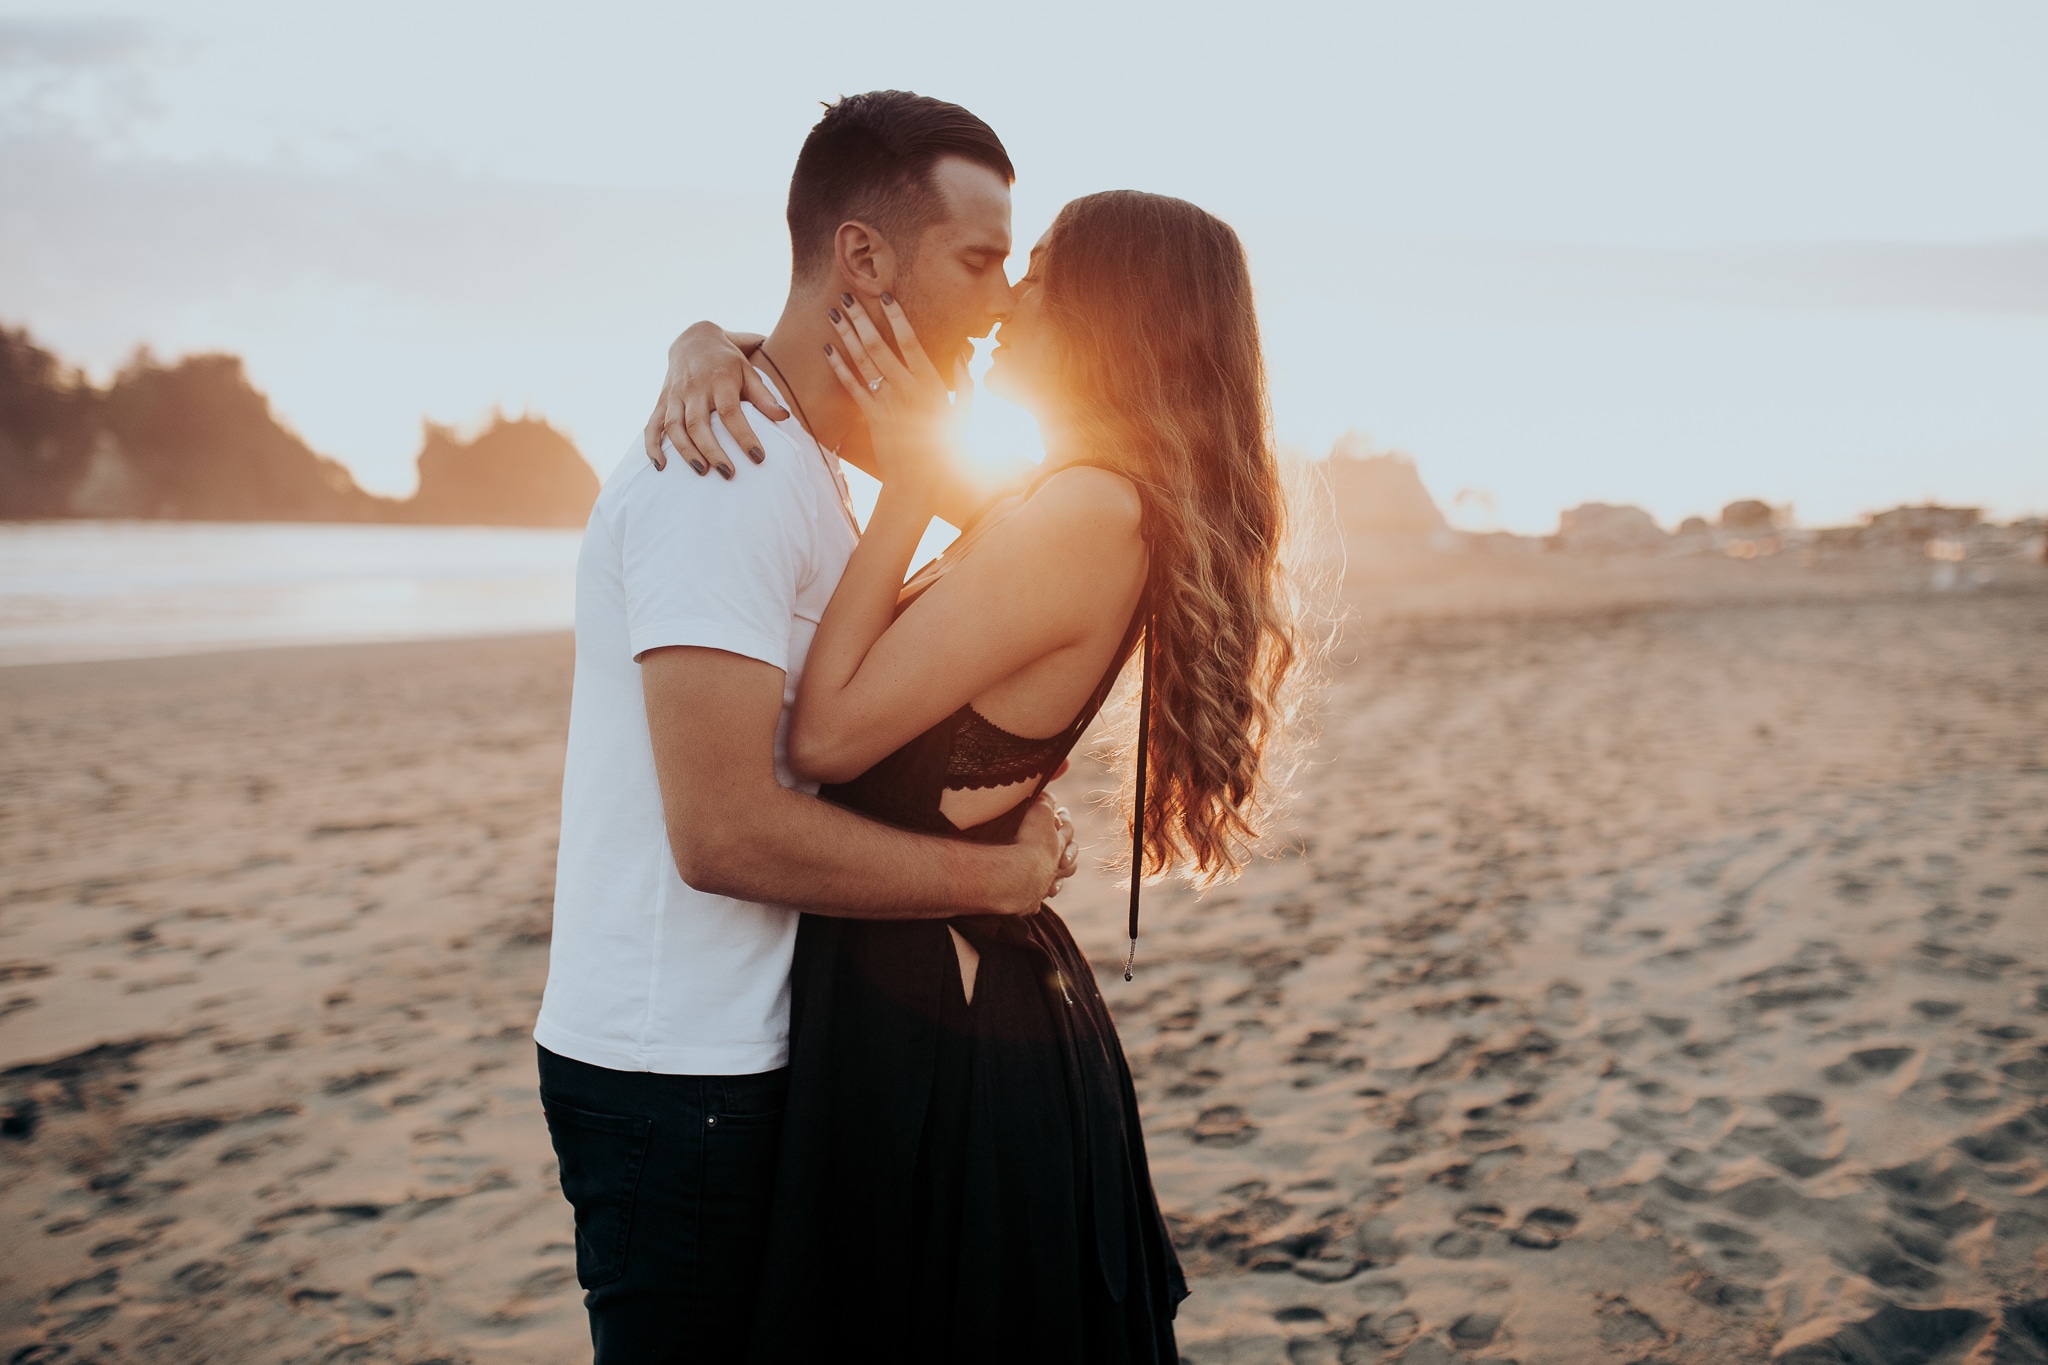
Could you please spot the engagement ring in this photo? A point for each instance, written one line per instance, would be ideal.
(874, 384)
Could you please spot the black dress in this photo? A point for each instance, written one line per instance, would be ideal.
(960, 1182)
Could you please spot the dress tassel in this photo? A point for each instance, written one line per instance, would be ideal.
(1138, 806)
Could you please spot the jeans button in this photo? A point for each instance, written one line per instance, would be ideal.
(712, 1121)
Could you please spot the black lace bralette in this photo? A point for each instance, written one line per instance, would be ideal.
(985, 755)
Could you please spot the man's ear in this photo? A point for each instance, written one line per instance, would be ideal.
(865, 260)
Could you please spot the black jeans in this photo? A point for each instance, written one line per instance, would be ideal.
(671, 1178)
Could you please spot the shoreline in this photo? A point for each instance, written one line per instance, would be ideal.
(101, 590)
(216, 650)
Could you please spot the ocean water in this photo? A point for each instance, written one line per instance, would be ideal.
(109, 589)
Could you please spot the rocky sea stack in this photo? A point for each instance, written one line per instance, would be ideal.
(194, 440)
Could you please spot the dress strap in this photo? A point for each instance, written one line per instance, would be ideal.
(1138, 803)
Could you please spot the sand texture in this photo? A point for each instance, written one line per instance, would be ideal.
(1658, 973)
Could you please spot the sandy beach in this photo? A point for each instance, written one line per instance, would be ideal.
(1656, 970)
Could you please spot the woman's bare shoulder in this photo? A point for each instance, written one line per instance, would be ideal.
(1079, 527)
(1089, 501)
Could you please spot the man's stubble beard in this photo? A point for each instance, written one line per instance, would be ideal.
(940, 343)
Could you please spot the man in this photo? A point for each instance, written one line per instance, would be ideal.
(686, 843)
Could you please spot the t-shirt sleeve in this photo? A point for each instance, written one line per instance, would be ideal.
(714, 563)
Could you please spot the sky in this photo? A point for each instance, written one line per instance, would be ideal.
(1633, 252)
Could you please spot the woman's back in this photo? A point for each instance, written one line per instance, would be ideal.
(973, 773)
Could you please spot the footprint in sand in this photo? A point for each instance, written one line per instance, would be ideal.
(2023, 1333)
(1865, 1063)
(2007, 1142)
(1896, 1334)
(1388, 1330)
(1543, 1228)
(1891, 1266)
(1422, 1109)
(2030, 1073)
(2007, 1033)
(394, 1288)
(199, 1277)
(1809, 1144)
(1224, 1125)
(1456, 1246)
(1737, 1253)
(1474, 1330)
(1624, 1324)
(1794, 1108)
(1969, 1091)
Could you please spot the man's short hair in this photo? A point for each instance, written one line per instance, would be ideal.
(870, 159)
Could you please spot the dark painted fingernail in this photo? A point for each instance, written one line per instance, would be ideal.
(835, 314)
(698, 465)
(846, 299)
(828, 349)
(725, 472)
(888, 297)
(756, 454)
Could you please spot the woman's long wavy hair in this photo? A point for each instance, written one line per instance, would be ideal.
(1154, 349)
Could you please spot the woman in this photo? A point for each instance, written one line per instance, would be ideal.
(963, 1174)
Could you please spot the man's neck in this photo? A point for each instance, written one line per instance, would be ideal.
(796, 352)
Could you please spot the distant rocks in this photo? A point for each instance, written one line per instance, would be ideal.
(1918, 525)
(519, 472)
(196, 441)
(1598, 528)
(1379, 493)
(1946, 535)
(1958, 540)
(192, 440)
(1749, 515)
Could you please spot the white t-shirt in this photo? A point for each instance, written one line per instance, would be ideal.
(645, 972)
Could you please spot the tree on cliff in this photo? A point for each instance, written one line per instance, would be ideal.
(49, 423)
(196, 440)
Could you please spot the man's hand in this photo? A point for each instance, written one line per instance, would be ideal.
(708, 372)
(1071, 858)
(1050, 854)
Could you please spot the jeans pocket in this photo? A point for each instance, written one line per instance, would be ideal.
(600, 1156)
(751, 1101)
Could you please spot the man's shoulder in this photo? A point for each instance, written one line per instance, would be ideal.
(779, 476)
(770, 509)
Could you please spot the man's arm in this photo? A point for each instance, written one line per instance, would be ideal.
(736, 831)
(710, 373)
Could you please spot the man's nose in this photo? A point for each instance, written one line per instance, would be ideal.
(993, 319)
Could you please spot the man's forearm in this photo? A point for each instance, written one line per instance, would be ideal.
(733, 830)
(795, 850)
